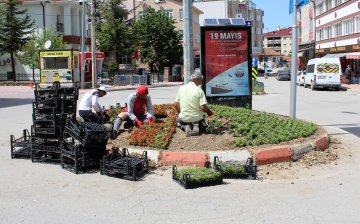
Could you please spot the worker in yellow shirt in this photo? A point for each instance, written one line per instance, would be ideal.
(192, 105)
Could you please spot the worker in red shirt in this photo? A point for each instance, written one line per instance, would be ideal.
(139, 110)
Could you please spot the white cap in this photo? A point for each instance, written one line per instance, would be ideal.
(102, 88)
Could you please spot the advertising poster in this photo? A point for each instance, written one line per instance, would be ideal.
(226, 56)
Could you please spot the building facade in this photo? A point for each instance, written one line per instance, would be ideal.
(236, 9)
(64, 16)
(306, 34)
(337, 32)
(174, 9)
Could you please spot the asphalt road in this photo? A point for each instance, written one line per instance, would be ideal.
(329, 108)
(44, 193)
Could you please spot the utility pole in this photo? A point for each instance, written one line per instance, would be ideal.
(83, 46)
(188, 41)
(294, 65)
(93, 45)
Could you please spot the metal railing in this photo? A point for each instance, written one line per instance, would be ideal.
(19, 77)
(130, 78)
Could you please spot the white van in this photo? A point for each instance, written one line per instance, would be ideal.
(323, 72)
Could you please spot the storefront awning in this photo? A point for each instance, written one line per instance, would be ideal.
(353, 55)
(335, 55)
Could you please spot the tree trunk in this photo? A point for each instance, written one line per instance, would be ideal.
(33, 74)
(13, 67)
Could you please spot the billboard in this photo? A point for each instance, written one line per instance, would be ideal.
(226, 64)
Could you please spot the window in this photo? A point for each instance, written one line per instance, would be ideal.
(258, 30)
(56, 63)
(328, 5)
(348, 27)
(181, 14)
(320, 8)
(357, 24)
(168, 12)
(336, 30)
(310, 68)
(327, 32)
(182, 34)
(196, 19)
(336, 3)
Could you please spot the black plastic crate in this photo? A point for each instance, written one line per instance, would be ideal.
(21, 147)
(45, 150)
(46, 130)
(75, 157)
(68, 107)
(189, 183)
(249, 169)
(87, 133)
(125, 166)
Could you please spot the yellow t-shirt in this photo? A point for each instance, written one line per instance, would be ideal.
(191, 97)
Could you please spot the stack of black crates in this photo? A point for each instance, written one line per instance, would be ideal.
(52, 107)
(84, 145)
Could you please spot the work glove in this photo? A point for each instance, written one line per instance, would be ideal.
(107, 117)
(138, 122)
(149, 120)
(209, 113)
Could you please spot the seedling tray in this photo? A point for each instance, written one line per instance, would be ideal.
(21, 147)
(125, 166)
(234, 170)
(189, 181)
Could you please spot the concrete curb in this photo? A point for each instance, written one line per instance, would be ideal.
(274, 154)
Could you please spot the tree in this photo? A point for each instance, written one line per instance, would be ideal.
(112, 32)
(29, 54)
(15, 30)
(159, 41)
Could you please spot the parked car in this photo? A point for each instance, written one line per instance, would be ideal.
(284, 74)
(323, 72)
(300, 78)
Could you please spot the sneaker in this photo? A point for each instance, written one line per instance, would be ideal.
(188, 131)
(195, 130)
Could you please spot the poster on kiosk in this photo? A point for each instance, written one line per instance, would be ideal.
(226, 64)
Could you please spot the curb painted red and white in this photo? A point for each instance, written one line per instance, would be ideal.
(274, 154)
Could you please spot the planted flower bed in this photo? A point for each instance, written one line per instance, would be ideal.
(234, 169)
(193, 177)
(228, 128)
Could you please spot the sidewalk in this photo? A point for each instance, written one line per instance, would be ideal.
(351, 87)
(127, 87)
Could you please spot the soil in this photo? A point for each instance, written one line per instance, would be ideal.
(222, 140)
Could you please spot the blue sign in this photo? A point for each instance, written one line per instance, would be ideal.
(299, 4)
(255, 62)
(248, 22)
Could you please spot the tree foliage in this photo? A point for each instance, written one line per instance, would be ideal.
(159, 41)
(29, 54)
(15, 30)
(112, 32)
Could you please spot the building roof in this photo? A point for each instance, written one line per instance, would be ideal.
(271, 52)
(279, 32)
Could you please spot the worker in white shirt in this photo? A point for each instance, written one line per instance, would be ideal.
(91, 100)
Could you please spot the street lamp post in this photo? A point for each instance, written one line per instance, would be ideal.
(83, 46)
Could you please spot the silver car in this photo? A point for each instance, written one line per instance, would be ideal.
(300, 78)
(283, 75)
